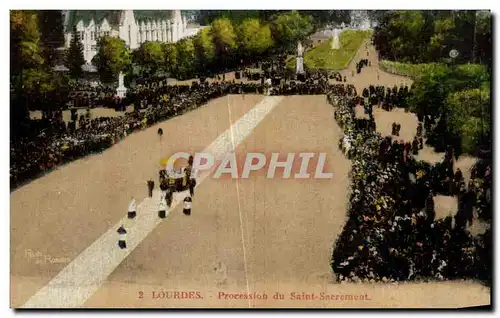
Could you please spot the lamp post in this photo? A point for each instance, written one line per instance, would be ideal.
(453, 54)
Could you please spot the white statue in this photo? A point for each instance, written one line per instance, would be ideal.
(336, 39)
(120, 79)
(300, 59)
(121, 91)
(300, 50)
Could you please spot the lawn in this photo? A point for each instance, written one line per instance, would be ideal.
(472, 71)
(324, 57)
(407, 69)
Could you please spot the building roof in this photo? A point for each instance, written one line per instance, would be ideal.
(145, 15)
(113, 17)
(74, 16)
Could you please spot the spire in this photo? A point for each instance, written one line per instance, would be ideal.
(177, 16)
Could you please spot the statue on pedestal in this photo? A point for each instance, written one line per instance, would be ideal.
(300, 59)
(336, 39)
(121, 91)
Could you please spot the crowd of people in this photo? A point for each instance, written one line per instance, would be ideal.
(362, 63)
(89, 95)
(338, 77)
(385, 97)
(392, 233)
(60, 142)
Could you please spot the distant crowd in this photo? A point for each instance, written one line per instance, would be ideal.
(87, 95)
(392, 233)
(57, 142)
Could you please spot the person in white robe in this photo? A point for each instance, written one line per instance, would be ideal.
(122, 237)
(162, 208)
(132, 209)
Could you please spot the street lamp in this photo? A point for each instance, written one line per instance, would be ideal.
(453, 54)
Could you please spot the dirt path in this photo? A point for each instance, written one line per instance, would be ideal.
(282, 221)
(57, 216)
(371, 75)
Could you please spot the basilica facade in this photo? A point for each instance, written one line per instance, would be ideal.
(132, 26)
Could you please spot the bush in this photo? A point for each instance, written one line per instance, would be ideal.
(410, 70)
(470, 117)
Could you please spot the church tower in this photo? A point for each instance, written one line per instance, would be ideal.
(177, 25)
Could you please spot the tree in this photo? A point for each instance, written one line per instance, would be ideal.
(470, 116)
(33, 84)
(112, 58)
(463, 35)
(429, 36)
(401, 35)
(24, 55)
(430, 90)
(51, 34)
(459, 99)
(289, 28)
(323, 17)
(340, 16)
(253, 37)
(224, 36)
(204, 49)
(185, 58)
(74, 57)
(24, 41)
(440, 43)
(206, 17)
(151, 57)
(235, 16)
(483, 47)
(376, 15)
(170, 58)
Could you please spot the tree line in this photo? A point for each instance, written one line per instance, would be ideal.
(225, 44)
(425, 36)
(35, 37)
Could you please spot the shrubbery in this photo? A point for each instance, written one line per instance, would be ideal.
(456, 100)
(407, 69)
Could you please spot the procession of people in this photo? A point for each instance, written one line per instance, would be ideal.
(184, 180)
(392, 233)
(53, 142)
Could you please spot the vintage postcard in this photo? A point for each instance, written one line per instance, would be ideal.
(250, 158)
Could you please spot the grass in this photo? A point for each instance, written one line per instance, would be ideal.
(325, 58)
(414, 70)
(407, 69)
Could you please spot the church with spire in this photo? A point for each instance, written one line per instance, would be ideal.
(132, 26)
